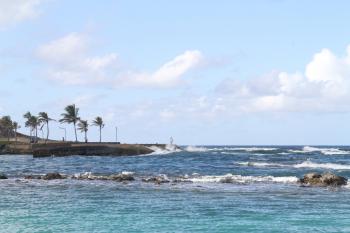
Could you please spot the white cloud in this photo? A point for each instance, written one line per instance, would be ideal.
(70, 63)
(168, 74)
(324, 86)
(14, 11)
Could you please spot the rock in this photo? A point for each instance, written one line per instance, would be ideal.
(3, 176)
(331, 179)
(121, 177)
(30, 177)
(52, 176)
(326, 179)
(156, 180)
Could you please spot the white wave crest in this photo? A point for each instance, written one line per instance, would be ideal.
(259, 164)
(325, 151)
(305, 164)
(247, 149)
(335, 166)
(229, 178)
(162, 151)
(196, 149)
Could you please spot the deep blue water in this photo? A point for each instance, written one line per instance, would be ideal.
(231, 189)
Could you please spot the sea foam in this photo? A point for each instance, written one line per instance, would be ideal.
(325, 151)
(305, 164)
(229, 178)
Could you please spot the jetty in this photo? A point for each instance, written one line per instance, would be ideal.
(55, 148)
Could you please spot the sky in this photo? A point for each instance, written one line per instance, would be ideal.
(228, 72)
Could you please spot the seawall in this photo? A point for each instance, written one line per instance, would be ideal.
(70, 148)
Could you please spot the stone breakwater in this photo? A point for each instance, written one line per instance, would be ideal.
(87, 149)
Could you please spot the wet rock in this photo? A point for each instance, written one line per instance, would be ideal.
(326, 179)
(31, 177)
(52, 176)
(3, 176)
(156, 180)
(122, 177)
(83, 176)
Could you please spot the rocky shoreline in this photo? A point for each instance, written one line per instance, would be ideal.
(308, 180)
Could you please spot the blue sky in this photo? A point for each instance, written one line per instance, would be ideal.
(204, 72)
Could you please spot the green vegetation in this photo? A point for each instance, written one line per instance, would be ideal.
(9, 128)
(45, 119)
(83, 126)
(32, 123)
(6, 125)
(71, 116)
(99, 122)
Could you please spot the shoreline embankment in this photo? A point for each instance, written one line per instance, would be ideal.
(76, 148)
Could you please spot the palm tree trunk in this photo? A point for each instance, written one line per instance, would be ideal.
(36, 134)
(47, 132)
(15, 137)
(75, 131)
(85, 137)
(30, 132)
(100, 133)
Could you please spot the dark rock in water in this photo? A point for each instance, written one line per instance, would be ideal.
(121, 177)
(52, 176)
(31, 177)
(156, 180)
(3, 176)
(326, 179)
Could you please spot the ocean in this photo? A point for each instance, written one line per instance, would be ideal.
(210, 189)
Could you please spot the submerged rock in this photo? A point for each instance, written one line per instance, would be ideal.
(156, 180)
(326, 179)
(3, 176)
(52, 176)
(31, 177)
(121, 177)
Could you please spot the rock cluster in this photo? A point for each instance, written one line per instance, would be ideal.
(326, 179)
(156, 180)
(48, 176)
(120, 177)
(3, 176)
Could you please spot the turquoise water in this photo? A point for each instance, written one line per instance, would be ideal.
(222, 189)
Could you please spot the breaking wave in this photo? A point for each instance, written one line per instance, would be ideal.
(163, 151)
(196, 149)
(229, 178)
(247, 149)
(306, 164)
(325, 151)
(258, 164)
(335, 166)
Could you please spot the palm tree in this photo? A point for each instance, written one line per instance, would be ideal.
(44, 118)
(83, 127)
(6, 123)
(98, 122)
(71, 116)
(32, 123)
(27, 124)
(15, 127)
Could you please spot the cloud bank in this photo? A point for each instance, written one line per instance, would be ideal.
(14, 11)
(69, 63)
(323, 86)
